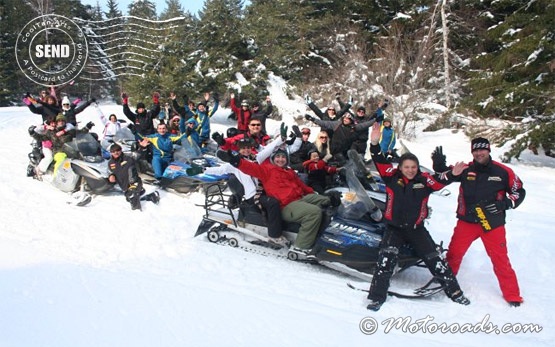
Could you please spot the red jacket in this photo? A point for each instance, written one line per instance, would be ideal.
(243, 117)
(311, 165)
(280, 183)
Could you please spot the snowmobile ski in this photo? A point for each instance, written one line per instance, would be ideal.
(418, 293)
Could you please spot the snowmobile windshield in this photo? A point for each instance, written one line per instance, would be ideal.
(188, 151)
(83, 146)
(124, 136)
(357, 204)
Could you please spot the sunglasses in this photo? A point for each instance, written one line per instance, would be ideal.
(255, 125)
(323, 137)
(115, 151)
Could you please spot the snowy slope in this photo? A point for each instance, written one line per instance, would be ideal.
(103, 275)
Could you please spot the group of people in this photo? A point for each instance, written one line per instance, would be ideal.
(269, 170)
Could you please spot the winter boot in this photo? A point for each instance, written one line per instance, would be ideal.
(134, 198)
(374, 305)
(279, 241)
(154, 197)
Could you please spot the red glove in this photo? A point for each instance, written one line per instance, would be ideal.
(156, 97)
(124, 98)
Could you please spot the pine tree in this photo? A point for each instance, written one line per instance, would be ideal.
(219, 43)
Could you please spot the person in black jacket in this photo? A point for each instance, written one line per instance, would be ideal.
(262, 113)
(298, 157)
(70, 110)
(143, 119)
(408, 190)
(124, 172)
(345, 133)
(488, 188)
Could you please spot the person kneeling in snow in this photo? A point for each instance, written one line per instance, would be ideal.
(124, 172)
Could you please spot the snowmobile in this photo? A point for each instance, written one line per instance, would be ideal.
(83, 170)
(348, 241)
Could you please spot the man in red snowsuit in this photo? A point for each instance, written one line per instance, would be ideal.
(488, 188)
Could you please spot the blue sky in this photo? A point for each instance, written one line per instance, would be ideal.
(192, 6)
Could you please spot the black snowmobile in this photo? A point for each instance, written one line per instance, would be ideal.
(348, 241)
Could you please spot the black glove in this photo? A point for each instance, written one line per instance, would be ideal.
(27, 95)
(93, 100)
(185, 99)
(309, 117)
(188, 131)
(438, 158)
(498, 206)
(292, 139)
(89, 125)
(385, 104)
(297, 131)
(335, 197)
(31, 130)
(219, 138)
(229, 157)
(283, 131)
(131, 127)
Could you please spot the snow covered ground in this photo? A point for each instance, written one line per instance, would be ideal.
(103, 275)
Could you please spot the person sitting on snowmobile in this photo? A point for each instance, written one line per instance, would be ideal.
(162, 148)
(124, 172)
(298, 202)
(143, 119)
(54, 135)
(318, 170)
(70, 111)
(408, 190)
(202, 115)
(48, 109)
(255, 133)
(254, 192)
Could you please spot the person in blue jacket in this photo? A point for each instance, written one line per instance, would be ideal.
(162, 148)
(189, 128)
(387, 139)
(201, 114)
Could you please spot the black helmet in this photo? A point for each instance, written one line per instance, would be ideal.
(232, 132)
(245, 142)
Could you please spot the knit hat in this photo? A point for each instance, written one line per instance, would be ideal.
(244, 103)
(60, 117)
(280, 151)
(480, 143)
(140, 105)
(361, 108)
(65, 101)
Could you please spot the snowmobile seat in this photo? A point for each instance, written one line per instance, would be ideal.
(249, 212)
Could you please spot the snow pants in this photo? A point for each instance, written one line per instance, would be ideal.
(159, 164)
(495, 244)
(46, 160)
(306, 211)
(273, 215)
(425, 248)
